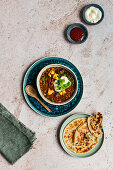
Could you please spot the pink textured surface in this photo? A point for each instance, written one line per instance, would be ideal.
(32, 29)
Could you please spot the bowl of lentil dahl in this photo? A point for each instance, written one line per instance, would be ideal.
(57, 84)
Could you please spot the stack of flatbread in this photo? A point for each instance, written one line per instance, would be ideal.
(81, 135)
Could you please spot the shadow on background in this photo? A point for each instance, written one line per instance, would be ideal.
(81, 15)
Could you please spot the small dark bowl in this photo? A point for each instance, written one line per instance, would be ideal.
(96, 6)
(81, 27)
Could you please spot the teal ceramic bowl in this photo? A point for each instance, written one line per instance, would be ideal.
(31, 79)
(83, 155)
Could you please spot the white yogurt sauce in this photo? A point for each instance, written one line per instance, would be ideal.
(93, 14)
(66, 80)
(55, 85)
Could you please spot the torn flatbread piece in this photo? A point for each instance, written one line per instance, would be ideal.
(95, 124)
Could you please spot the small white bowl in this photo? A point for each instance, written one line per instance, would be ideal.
(38, 83)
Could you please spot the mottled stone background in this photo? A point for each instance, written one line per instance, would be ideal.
(32, 29)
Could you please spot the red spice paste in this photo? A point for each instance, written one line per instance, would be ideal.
(77, 34)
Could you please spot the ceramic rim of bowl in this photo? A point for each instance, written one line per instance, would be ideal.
(38, 83)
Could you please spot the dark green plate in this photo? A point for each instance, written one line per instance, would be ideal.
(83, 155)
(30, 78)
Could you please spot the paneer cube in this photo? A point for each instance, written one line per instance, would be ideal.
(55, 76)
(62, 92)
(51, 73)
(50, 91)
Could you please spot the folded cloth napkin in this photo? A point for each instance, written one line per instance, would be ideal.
(15, 138)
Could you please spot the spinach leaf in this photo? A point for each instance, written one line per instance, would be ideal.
(60, 82)
(67, 85)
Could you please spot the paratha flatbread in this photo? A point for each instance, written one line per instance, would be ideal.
(82, 135)
(84, 141)
(69, 132)
(95, 124)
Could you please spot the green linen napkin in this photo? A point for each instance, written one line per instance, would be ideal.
(15, 138)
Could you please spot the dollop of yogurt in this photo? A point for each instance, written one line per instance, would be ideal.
(65, 81)
(93, 14)
(65, 78)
